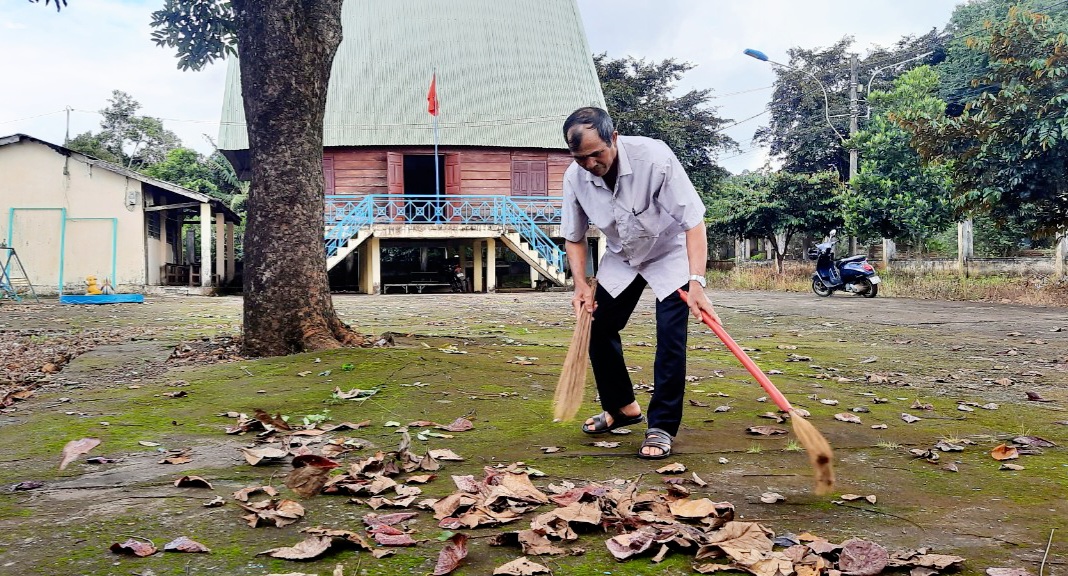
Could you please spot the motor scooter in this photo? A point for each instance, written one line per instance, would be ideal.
(853, 274)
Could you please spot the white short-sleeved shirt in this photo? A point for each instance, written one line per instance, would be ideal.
(644, 219)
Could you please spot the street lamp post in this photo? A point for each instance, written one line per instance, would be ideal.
(853, 110)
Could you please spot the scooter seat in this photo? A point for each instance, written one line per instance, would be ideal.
(856, 258)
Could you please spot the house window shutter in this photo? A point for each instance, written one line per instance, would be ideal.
(529, 177)
(328, 174)
(394, 173)
(452, 173)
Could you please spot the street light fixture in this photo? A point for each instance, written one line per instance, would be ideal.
(826, 100)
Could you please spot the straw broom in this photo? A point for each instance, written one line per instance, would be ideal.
(572, 383)
(816, 446)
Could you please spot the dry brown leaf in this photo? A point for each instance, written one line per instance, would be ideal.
(673, 468)
(1007, 572)
(712, 568)
(182, 458)
(766, 430)
(383, 552)
(521, 567)
(847, 417)
(697, 479)
(1004, 452)
(451, 555)
(629, 544)
(738, 538)
(605, 444)
(1010, 466)
(215, 502)
(307, 481)
(254, 457)
(420, 478)
(522, 487)
(281, 512)
(307, 549)
(459, 425)
(390, 536)
(133, 547)
(243, 494)
(821, 546)
(445, 454)
(314, 460)
(346, 426)
(695, 509)
(183, 544)
(862, 558)
(771, 497)
(192, 482)
(75, 448)
(275, 421)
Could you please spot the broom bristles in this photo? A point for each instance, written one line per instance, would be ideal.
(819, 452)
(572, 383)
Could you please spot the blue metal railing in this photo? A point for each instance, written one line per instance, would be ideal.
(345, 216)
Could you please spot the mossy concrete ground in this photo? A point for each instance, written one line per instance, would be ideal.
(929, 352)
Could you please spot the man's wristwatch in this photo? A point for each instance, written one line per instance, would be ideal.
(700, 279)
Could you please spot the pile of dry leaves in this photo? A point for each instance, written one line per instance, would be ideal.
(637, 522)
(29, 357)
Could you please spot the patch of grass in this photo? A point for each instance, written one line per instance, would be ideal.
(793, 446)
(888, 445)
(754, 449)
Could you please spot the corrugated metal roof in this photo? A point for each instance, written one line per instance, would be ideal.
(508, 73)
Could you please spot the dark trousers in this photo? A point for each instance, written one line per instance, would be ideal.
(669, 368)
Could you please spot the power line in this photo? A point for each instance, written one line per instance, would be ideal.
(32, 117)
(741, 92)
(742, 121)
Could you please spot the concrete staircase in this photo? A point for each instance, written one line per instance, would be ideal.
(514, 241)
(348, 247)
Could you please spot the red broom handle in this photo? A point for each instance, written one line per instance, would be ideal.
(744, 358)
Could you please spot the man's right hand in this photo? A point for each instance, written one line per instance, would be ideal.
(584, 297)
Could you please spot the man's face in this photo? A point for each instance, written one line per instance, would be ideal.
(593, 154)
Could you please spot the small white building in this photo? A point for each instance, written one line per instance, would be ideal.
(71, 216)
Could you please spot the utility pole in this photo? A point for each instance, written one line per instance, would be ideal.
(854, 110)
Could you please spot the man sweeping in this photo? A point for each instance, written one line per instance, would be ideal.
(636, 192)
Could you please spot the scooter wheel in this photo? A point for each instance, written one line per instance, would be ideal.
(869, 290)
(820, 288)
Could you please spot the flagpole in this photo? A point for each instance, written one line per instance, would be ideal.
(437, 177)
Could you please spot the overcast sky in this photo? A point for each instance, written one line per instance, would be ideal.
(76, 58)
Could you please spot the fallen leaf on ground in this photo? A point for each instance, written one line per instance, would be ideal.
(215, 502)
(521, 567)
(862, 558)
(147, 443)
(1010, 466)
(1004, 452)
(699, 404)
(243, 494)
(254, 457)
(310, 547)
(697, 479)
(766, 430)
(134, 547)
(909, 418)
(269, 420)
(673, 468)
(76, 448)
(183, 544)
(629, 544)
(1007, 572)
(550, 449)
(459, 425)
(698, 509)
(281, 512)
(445, 454)
(451, 555)
(314, 460)
(181, 458)
(192, 482)
(828, 402)
(847, 417)
(307, 481)
(346, 426)
(382, 552)
(354, 394)
(711, 568)
(771, 497)
(603, 444)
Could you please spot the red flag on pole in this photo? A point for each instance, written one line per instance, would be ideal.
(432, 96)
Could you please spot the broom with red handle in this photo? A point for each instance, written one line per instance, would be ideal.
(816, 446)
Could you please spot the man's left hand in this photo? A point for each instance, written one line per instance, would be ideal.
(699, 302)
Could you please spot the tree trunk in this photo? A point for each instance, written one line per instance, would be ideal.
(287, 49)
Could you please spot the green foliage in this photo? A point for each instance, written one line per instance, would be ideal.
(126, 138)
(93, 145)
(776, 207)
(187, 168)
(894, 195)
(201, 31)
(1008, 151)
(798, 131)
(963, 71)
(640, 98)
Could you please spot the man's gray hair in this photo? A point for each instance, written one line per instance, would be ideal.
(593, 117)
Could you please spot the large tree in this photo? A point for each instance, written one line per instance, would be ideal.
(1008, 150)
(126, 138)
(799, 132)
(777, 207)
(895, 195)
(640, 96)
(287, 49)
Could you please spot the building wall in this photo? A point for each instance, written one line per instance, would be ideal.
(32, 176)
(481, 170)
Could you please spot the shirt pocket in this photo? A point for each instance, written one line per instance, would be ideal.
(640, 231)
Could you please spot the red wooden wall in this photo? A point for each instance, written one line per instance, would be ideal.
(467, 171)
